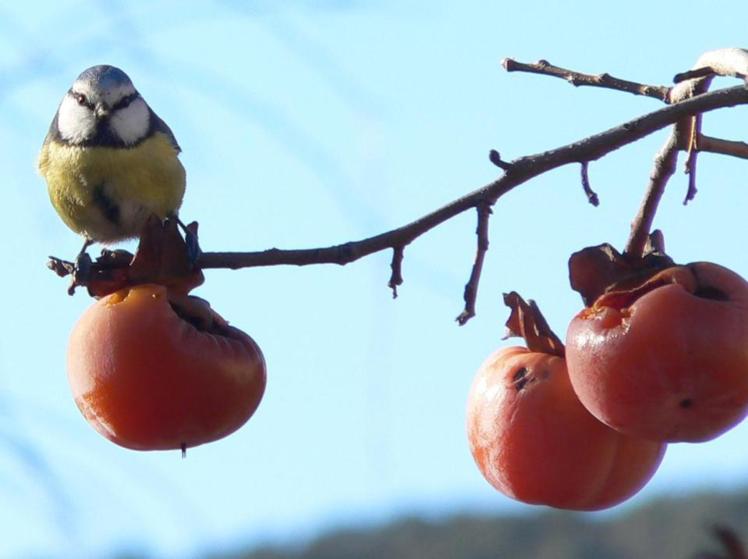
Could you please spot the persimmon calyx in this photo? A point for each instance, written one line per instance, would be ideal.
(527, 322)
(622, 298)
(600, 269)
(163, 257)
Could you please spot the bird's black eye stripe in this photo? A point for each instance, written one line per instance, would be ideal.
(125, 101)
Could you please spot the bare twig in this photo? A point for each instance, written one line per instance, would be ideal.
(690, 143)
(724, 147)
(495, 158)
(685, 135)
(577, 78)
(591, 194)
(730, 62)
(471, 289)
(664, 167)
(682, 137)
(702, 72)
(690, 170)
(396, 278)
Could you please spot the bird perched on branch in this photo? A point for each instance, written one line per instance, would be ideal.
(109, 161)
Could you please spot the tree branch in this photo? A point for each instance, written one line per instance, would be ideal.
(592, 197)
(604, 80)
(686, 136)
(682, 137)
(664, 167)
(521, 170)
(396, 277)
(724, 147)
(692, 149)
(495, 158)
(471, 289)
(730, 62)
(700, 72)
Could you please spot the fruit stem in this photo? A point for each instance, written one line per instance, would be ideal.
(683, 136)
(664, 167)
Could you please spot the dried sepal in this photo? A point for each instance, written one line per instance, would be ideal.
(527, 322)
(600, 269)
(163, 257)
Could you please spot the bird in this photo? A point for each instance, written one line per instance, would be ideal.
(108, 160)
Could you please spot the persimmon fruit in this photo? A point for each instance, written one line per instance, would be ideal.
(666, 360)
(534, 441)
(148, 373)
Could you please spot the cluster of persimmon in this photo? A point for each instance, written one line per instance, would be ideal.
(659, 357)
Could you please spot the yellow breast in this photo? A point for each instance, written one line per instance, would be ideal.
(107, 194)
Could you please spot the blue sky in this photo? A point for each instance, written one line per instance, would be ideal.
(311, 123)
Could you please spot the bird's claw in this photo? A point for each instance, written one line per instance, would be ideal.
(82, 265)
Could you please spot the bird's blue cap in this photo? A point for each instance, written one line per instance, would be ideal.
(106, 76)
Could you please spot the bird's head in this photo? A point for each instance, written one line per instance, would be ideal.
(103, 107)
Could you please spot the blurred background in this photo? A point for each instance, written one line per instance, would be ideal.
(309, 123)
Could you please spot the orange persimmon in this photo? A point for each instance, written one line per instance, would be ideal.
(666, 360)
(150, 373)
(534, 441)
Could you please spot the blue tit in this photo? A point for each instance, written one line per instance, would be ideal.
(109, 161)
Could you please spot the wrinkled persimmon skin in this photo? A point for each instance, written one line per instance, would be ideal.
(534, 441)
(146, 379)
(671, 364)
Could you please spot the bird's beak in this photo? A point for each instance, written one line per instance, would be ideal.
(101, 111)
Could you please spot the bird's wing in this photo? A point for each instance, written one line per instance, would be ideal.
(158, 125)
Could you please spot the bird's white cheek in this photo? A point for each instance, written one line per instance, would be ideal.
(75, 122)
(131, 123)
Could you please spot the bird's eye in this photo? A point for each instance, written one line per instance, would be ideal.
(80, 98)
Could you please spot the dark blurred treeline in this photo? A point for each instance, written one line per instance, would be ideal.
(672, 528)
(681, 528)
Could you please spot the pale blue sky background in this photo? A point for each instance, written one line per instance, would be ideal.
(311, 123)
